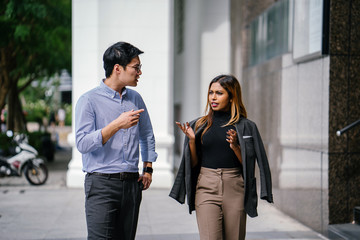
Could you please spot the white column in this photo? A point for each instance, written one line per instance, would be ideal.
(215, 44)
(206, 53)
(147, 25)
(85, 74)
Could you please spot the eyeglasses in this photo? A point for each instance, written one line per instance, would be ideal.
(136, 67)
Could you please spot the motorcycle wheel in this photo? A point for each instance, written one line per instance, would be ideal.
(36, 175)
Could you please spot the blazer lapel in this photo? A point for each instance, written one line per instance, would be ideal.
(240, 131)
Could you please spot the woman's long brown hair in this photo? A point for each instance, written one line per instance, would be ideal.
(237, 108)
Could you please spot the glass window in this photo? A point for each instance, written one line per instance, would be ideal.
(309, 29)
(270, 33)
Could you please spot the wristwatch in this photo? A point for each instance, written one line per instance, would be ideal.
(148, 170)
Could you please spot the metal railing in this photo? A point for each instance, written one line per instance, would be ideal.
(347, 128)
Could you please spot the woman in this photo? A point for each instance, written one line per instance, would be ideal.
(217, 170)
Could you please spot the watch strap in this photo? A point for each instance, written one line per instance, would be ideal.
(148, 169)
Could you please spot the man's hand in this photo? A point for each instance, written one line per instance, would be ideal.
(146, 179)
(125, 120)
(128, 119)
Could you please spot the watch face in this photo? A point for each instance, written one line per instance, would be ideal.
(148, 169)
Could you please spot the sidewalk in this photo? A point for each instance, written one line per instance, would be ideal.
(55, 212)
(58, 213)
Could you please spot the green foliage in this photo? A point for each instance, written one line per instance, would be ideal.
(33, 94)
(35, 111)
(5, 144)
(68, 117)
(39, 140)
(36, 103)
(36, 140)
(35, 43)
(39, 33)
(21, 32)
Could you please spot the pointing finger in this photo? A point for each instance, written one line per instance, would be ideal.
(137, 111)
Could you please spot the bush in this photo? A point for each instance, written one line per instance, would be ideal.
(35, 111)
(5, 144)
(41, 141)
(68, 117)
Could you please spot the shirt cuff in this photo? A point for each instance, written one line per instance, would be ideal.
(98, 138)
(149, 157)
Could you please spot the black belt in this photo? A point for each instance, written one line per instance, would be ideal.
(122, 176)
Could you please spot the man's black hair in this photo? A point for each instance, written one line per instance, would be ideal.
(120, 53)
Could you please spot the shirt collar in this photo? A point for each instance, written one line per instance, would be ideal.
(109, 91)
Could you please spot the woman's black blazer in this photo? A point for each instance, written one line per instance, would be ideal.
(252, 148)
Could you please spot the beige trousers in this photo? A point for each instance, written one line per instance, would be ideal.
(219, 204)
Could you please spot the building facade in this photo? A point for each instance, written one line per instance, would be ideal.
(300, 81)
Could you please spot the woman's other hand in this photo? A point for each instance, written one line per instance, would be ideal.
(234, 145)
(232, 139)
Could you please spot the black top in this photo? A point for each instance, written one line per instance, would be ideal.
(216, 151)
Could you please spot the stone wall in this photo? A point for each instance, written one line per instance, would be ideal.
(344, 108)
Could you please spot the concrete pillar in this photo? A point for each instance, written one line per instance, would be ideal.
(147, 25)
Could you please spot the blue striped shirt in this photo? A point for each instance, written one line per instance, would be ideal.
(95, 110)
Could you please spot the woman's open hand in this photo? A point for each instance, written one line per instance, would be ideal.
(187, 130)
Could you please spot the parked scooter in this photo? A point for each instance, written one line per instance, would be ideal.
(23, 159)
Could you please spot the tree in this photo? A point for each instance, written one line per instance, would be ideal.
(35, 43)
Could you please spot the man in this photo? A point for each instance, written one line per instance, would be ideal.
(111, 122)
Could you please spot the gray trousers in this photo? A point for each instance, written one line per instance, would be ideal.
(219, 204)
(112, 207)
